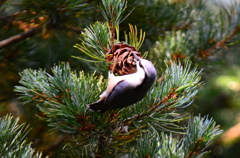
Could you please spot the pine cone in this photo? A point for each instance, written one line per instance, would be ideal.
(121, 60)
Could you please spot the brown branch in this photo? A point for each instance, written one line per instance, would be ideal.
(16, 38)
(171, 95)
(196, 149)
(22, 36)
(220, 43)
(112, 28)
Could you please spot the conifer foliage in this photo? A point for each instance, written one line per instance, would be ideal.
(157, 126)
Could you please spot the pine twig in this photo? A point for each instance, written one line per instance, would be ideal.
(199, 135)
(170, 95)
(13, 139)
(196, 150)
(220, 43)
(16, 38)
(112, 29)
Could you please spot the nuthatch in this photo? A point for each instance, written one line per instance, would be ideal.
(128, 89)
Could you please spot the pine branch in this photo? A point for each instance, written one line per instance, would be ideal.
(94, 42)
(175, 46)
(175, 92)
(199, 135)
(147, 146)
(13, 139)
(171, 146)
(208, 33)
(16, 38)
(220, 44)
(98, 38)
(46, 16)
(112, 11)
(61, 97)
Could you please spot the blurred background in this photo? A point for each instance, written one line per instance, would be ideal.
(38, 34)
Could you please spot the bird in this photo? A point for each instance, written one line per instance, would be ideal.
(128, 89)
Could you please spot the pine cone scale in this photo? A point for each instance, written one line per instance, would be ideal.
(121, 60)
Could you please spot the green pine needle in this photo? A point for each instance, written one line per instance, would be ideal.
(133, 39)
(162, 108)
(13, 139)
(94, 42)
(199, 135)
(113, 10)
(62, 97)
(146, 146)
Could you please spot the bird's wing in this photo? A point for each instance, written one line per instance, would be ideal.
(120, 96)
(112, 82)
